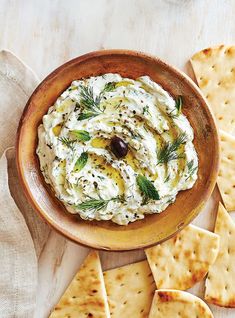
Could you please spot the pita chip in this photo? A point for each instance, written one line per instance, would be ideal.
(183, 260)
(172, 303)
(214, 69)
(85, 297)
(130, 290)
(226, 177)
(220, 282)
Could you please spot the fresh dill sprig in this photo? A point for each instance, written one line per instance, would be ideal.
(108, 87)
(191, 169)
(169, 150)
(94, 205)
(91, 103)
(67, 142)
(88, 100)
(167, 178)
(178, 107)
(179, 103)
(147, 188)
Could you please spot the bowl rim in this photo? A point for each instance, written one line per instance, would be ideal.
(134, 53)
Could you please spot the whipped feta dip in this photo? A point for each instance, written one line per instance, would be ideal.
(114, 148)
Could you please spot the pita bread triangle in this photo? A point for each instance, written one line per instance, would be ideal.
(183, 260)
(214, 69)
(220, 282)
(85, 297)
(176, 303)
(226, 176)
(130, 290)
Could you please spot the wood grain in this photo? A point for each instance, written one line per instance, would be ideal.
(47, 33)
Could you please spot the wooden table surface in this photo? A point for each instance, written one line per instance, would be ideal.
(47, 33)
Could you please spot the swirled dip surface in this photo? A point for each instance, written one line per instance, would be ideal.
(77, 160)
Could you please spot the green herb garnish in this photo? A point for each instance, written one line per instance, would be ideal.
(191, 169)
(109, 87)
(67, 142)
(169, 150)
(179, 104)
(167, 178)
(91, 103)
(77, 106)
(83, 116)
(146, 110)
(94, 205)
(82, 135)
(81, 162)
(171, 200)
(147, 188)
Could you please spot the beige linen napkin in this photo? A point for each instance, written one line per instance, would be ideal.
(22, 233)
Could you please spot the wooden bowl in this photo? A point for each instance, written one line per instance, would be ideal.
(105, 234)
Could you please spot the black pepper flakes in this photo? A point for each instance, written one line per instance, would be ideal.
(49, 146)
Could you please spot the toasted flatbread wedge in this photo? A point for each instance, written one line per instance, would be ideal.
(226, 177)
(183, 260)
(214, 69)
(86, 296)
(175, 303)
(220, 282)
(130, 290)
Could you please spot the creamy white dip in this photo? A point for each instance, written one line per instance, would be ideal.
(77, 161)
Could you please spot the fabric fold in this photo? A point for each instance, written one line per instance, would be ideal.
(18, 279)
(22, 232)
